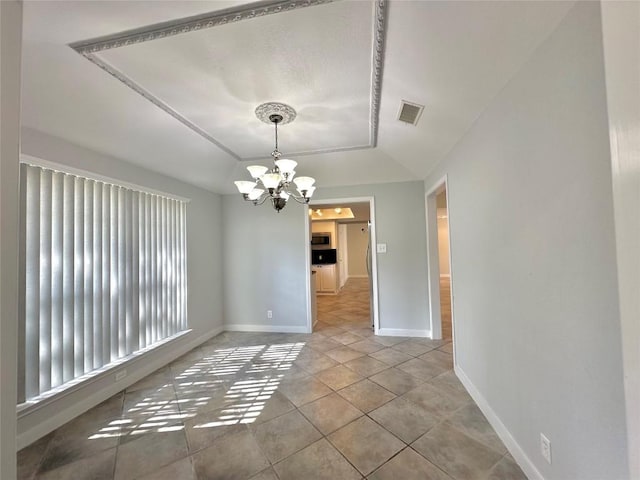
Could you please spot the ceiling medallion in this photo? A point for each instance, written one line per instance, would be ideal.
(264, 112)
(275, 183)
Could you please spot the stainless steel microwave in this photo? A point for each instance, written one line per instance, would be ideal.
(320, 240)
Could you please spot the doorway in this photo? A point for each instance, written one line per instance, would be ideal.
(439, 262)
(342, 291)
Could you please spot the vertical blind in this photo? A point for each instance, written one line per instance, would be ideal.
(104, 275)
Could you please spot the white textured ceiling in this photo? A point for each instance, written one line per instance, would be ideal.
(222, 82)
(453, 57)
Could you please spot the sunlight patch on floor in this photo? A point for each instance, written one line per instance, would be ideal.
(209, 383)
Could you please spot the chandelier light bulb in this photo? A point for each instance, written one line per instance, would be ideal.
(257, 171)
(245, 187)
(255, 193)
(286, 166)
(304, 183)
(271, 180)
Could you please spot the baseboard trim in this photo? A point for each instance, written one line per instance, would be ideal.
(514, 448)
(82, 404)
(403, 332)
(266, 328)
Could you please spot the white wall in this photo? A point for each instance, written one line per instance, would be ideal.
(264, 266)
(10, 54)
(357, 241)
(402, 271)
(204, 270)
(536, 304)
(621, 35)
(264, 261)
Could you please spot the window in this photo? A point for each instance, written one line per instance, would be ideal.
(103, 275)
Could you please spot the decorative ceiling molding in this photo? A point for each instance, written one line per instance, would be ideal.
(114, 72)
(378, 59)
(190, 24)
(310, 152)
(92, 47)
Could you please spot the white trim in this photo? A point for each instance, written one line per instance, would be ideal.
(374, 267)
(343, 254)
(307, 269)
(11, 30)
(433, 262)
(85, 403)
(433, 273)
(60, 167)
(437, 185)
(620, 25)
(451, 306)
(266, 328)
(514, 448)
(374, 256)
(404, 332)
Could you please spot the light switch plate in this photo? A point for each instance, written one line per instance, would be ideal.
(381, 248)
(545, 447)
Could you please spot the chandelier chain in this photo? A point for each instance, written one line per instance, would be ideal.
(276, 152)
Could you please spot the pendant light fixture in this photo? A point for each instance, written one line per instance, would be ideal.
(275, 184)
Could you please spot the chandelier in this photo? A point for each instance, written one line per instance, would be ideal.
(275, 183)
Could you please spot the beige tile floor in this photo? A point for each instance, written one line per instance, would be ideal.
(339, 403)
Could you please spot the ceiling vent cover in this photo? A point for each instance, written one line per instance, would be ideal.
(410, 112)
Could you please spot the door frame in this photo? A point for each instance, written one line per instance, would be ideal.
(374, 260)
(343, 257)
(433, 259)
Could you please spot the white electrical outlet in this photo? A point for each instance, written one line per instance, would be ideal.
(269, 314)
(120, 375)
(545, 448)
(381, 248)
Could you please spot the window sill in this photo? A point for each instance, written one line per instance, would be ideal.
(76, 384)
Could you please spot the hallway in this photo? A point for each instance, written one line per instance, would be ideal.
(445, 307)
(350, 306)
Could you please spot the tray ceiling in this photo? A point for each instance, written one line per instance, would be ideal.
(343, 65)
(211, 71)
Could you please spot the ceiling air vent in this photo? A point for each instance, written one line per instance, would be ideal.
(410, 112)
